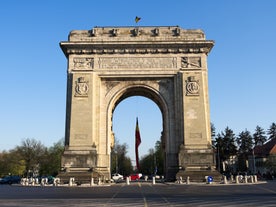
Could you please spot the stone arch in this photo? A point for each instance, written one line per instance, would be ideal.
(109, 64)
(147, 91)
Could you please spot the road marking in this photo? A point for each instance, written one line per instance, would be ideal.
(144, 198)
(114, 195)
(163, 197)
(272, 191)
(145, 202)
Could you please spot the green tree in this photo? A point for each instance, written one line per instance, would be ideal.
(225, 147)
(11, 163)
(147, 163)
(213, 134)
(159, 158)
(220, 156)
(228, 143)
(50, 163)
(120, 163)
(259, 136)
(272, 131)
(153, 162)
(245, 144)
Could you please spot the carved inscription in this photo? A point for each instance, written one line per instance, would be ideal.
(83, 63)
(196, 135)
(81, 136)
(136, 62)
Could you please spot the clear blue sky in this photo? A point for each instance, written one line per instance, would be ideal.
(241, 65)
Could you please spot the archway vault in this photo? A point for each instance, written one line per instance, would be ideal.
(168, 65)
(139, 88)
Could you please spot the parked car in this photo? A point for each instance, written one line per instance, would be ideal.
(116, 177)
(11, 179)
(135, 176)
(49, 179)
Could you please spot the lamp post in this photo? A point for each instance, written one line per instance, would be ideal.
(254, 162)
(116, 161)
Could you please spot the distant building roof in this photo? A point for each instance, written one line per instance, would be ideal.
(266, 149)
(273, 150)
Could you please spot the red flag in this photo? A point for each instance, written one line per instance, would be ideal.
(137, 143)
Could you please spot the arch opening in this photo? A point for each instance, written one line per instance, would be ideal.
(150, 124)
(146, 104)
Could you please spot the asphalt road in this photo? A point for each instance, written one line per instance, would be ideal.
(140, 194)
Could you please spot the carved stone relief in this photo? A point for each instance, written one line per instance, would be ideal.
(110, 84)
(82, 87)
(192, 86)
(83, 63)
(190, 62)
(136, 62)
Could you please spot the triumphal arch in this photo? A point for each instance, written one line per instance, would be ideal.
(165, 64)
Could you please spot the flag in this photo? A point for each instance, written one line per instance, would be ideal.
(137, 143)
(137, 19)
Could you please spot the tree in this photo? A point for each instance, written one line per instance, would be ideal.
(272, 131)
(159, 158)
(225, 148)
(11, 163)
(147, 164)
(259, 136)
(32, 152)
(245, 143)
(51, 162)
(219, 151)
(153, 162)
(213, 133)
(228, 144)
(120, 163)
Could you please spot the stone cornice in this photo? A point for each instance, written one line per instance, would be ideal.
(136, 48)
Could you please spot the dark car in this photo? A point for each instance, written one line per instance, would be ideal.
(13, 179)
(49, 179)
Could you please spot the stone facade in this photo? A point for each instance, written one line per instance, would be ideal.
(108, 64)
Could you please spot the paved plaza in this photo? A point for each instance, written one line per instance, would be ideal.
(141, 194)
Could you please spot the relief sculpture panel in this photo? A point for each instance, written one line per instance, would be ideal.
(83, 63)
(136, 62)
(190, 62)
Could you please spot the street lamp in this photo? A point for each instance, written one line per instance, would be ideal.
(254, 162)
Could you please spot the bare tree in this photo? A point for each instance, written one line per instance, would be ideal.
(32, 152)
